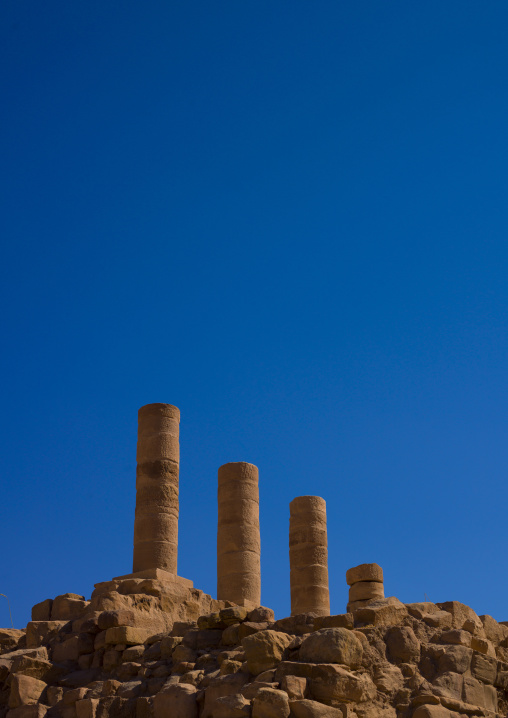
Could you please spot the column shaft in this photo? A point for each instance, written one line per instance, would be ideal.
(158, 457)
(238, 537)
(308, 556)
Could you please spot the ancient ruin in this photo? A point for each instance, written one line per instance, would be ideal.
(238, 536)
(150, 645)
(308, 556)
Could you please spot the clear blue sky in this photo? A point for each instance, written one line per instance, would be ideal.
(289, 219)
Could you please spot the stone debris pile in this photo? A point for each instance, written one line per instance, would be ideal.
(384, 659)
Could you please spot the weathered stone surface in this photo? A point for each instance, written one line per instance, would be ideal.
(383, 612)
(431, 711)
(341, 620)
(295, 686)
(157, 506)
(112, 619)
(308, 556)
(25, 690)
(41, 632)
(238, 535)
(402, 644)
(221, 686)
(42, 611)
(305, 708)
(270, 703)
(86, 708)
(364, 572)
(68, 607)
(463, 617)
(264, 650)
(177, 700)
(233, 614)
(366, 591)
(333, 684)
(129, 635)
(332, 645)
(233, 706)
(35, 710)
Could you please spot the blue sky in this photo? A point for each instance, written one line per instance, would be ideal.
(288, 219)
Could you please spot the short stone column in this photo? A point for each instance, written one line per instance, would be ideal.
(366, 584)
(238, 537)
(308, 556)
(156, 520)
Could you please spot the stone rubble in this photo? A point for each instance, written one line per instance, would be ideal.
(145, 648)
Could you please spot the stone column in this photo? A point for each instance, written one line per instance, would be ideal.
(238, 538)
(308, 556)
(366, 584)
(156, 520)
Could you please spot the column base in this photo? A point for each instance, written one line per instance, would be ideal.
(160, 575)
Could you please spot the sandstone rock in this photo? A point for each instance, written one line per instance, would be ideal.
(366, 590)
(35, 667)
(479, 694)
(270, 703)
(231, 636)
(484, 668)
(456, 637)
(129, 635)
(261, 614)
(211, 621)
(449, 684)
(222, 686)
(112, 619)
(134, 653)
(250, 690)
(341, 620)
(304, 708)
(482, 645)
(333, 684)
(247, 628)
(295, 687)
(68, 607)
(264, 650)
(10, 638)
(463, 616)
(233, 614)
(25, 690)
(233, 706)
(294, 668)
(364, 572)
(87, 708)
(402, 645)
(42, 611)
(183, 654)
(42, 632)
(332, 645)
(431, 711)
(440, 619)
(29, 711)
(295, 625)
(494, 631)
(452, 658)
(388, 678)
(383, 612)
(177, 700)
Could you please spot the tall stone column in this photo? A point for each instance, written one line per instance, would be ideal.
(238, 537)
(308, 556)
(156, 520)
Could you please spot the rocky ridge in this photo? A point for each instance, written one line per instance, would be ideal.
(143, 648)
